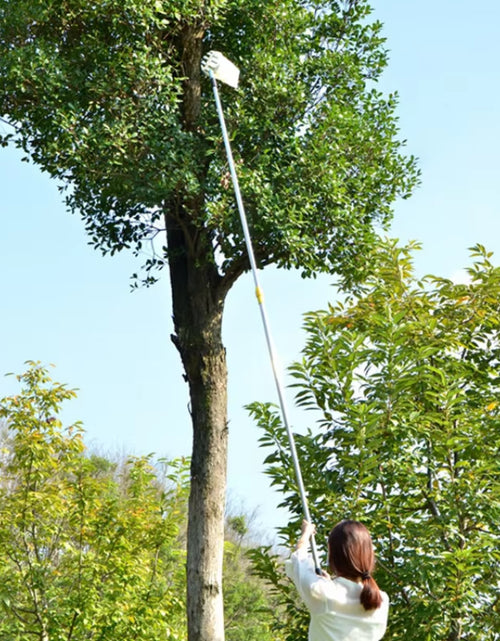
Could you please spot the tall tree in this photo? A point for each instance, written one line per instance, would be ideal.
(107, 96)
(88, 550)
(404, 379)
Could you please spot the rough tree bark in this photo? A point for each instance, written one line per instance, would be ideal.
(198, 295)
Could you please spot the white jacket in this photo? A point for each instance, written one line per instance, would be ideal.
(336, 612)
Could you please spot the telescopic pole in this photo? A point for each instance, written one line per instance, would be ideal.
(260, 298)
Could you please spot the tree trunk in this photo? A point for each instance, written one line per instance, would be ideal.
(198, 296)
(455, 633)
(207, 499)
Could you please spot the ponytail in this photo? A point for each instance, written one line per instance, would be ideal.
(370, 596)
(351, 555)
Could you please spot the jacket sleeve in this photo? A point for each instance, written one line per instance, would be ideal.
(310, 586)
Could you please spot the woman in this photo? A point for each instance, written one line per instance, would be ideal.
(349, 607)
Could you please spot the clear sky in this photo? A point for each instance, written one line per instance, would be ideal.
(63, 303)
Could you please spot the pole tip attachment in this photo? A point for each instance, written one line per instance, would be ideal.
(214, 63)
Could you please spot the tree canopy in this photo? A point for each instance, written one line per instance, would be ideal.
(404, 379)
(88, 548)
(107, 96)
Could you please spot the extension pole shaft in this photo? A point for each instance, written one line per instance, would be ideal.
(263, 313)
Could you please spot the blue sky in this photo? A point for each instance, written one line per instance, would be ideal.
(63, 303)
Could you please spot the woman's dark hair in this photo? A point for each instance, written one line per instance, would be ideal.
(350, 554)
